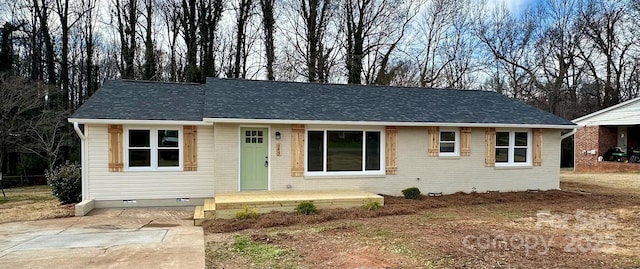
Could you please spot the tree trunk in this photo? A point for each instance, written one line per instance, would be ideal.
(149, 49)
(268, 24)
(190, 28)
(244, 9)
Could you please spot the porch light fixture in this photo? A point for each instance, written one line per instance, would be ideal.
(278, 136)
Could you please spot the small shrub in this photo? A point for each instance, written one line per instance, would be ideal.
(66, 183)
(411, 193)
(372, 205)
(246, 214)
(306, 208)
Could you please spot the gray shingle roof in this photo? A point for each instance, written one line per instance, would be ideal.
(247, 99)
(143, 100)
(250, 99)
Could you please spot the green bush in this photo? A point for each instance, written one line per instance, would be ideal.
(66, 183)
(411, 193)
(372, 205)
(246, 214)
(306, 208)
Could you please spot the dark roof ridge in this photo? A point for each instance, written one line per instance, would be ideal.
(157, 82)
(351, 85)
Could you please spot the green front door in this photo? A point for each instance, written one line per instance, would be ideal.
(254, 159)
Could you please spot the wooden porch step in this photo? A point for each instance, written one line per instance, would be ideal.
(209, 208)
(204, 212)
(198, 216)
(228, 204)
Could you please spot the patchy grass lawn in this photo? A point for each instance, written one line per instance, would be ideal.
(594, 222)
(31, 203)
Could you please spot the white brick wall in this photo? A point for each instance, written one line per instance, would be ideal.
(447, 175)
(219, 148)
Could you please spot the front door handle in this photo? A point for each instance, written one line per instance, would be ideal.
(266, 161)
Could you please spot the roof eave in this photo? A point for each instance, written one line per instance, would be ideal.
(384, 123)
(602, 111)
(136, 122)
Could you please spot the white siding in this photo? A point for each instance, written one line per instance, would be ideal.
(625, 114)
(447, 175)
(226, 158)
(134, 185)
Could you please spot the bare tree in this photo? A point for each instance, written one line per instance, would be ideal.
(150, 66)
(20, 100)
(41, 10)
(46, 135)
(88, 32)
(556, 50)
(189, 20)
(210, 13)
(6, 48)
(434, 23)
(126, 14)
(171, 18)
(369, 25)
(268, 26)
(244, 11)
(507, 41)
(310, 19)
(605, 25)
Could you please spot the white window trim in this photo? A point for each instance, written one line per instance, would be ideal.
(153, 142)
(326, 173)
(512, 146)
(456, 143)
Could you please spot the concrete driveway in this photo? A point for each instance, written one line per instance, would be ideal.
(106, 238)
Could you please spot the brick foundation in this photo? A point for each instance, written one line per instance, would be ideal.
(600, 139)
(610, 167)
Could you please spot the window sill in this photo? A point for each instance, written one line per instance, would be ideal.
(449, 157)
(172, 169)
(312, 177)
(512, 167)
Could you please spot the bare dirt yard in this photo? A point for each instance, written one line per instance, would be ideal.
(593, 222)
(31, 203)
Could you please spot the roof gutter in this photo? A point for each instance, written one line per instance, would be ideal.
(568, 134)
(137, 122)
(76, 127)
(380, 123)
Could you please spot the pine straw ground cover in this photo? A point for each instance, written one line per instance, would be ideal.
(31, 203)
(595, 223)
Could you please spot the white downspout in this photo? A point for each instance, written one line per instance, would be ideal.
(83, 161)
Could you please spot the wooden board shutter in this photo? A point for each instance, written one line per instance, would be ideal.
(537, 147)
(391, 150)
(490, 147)
(190, 148)
(116, 163)
(297, 150)
(434, 141)
(465, 141)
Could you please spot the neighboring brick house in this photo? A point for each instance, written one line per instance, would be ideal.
(608, 140)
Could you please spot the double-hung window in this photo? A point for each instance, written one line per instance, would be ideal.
(153, 149)
(449, 142)
(344, 152)
(513, 148)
